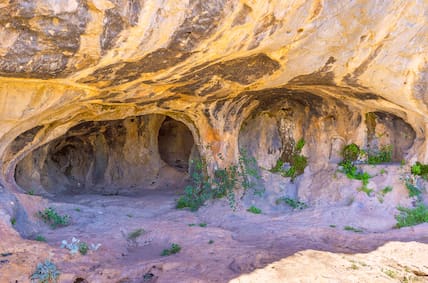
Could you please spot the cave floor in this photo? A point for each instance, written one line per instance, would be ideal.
(218, 244)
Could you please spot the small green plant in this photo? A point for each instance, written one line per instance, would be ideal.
(51, 217)
(298, 162)
(76, 246)
(77, 209)
(382, 193)
(382, 171)
(351, 152)
(293, 203)
(353, 229)
(203, 225)
(352, 172)
(211, 242)
(175, 248)
(386, 190)
(254, 210)
(332, 226)
(413, 190)
(83, 248)
(412, 216)
(390, 273)
(278, 166)
(135, 234)
(40, 238)
(13, 221)
(365, 190)
(30, 192)
(46, 272)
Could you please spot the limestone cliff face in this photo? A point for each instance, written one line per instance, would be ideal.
(255, 74)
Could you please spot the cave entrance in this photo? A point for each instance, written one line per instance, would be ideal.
(111, 157)
(175, 144)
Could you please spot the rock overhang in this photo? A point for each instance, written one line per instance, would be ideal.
(207, 64)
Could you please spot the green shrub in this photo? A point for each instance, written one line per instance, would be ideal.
(46, 272)
(412, 216)
(51, 217)
(196, 194)
(248, 169)
(175, 248)
(295, 204)
(223, 184)
(420, 169)
(13, 221)
(351, 152)
(254, 210)
(383, 156)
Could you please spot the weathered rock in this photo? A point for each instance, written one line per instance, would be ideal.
(117, 96)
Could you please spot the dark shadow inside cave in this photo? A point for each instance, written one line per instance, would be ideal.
(175, 144)
(110, 157)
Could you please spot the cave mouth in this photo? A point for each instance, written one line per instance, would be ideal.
(271, 132)
(111, 157)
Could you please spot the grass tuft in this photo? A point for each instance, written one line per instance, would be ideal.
(353, 229)
(175, 248)
(254, 210)
(135, 234)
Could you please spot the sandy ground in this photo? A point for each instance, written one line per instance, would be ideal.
(310, 245)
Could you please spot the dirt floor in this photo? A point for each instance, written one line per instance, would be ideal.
(309, 245)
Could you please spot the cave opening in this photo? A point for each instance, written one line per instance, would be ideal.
(111, 157)
(325, 124)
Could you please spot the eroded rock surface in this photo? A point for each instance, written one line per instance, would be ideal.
(120, 96)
